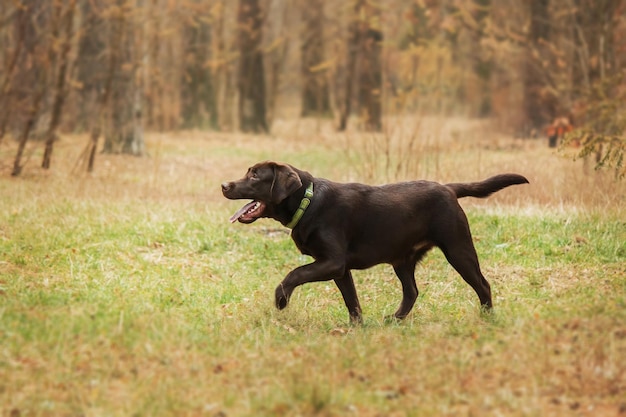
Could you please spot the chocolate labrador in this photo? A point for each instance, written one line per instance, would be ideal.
(356, 226)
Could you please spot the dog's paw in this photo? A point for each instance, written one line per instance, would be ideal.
(282, 297)
(356, 319)
(393, 318)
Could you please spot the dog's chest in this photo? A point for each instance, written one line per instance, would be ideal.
(300, 244)
(307, 244)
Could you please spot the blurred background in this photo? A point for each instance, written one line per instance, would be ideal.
(114, 69)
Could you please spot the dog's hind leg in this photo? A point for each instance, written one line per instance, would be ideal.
(454, 239)
(462, 256)
(405, 271)
(348, 292)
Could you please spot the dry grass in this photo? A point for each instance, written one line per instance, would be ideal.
(183, 164)
(126, 292)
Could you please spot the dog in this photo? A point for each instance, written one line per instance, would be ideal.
(356, 226)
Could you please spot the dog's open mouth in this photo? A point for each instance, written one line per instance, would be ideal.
(248, 213)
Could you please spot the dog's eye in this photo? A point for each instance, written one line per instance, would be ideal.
(254, 175)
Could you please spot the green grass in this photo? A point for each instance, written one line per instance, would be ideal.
(112, 305)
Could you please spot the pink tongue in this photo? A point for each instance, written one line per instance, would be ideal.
(241, 211)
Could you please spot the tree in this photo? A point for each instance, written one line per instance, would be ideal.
(109, 72)
(598, 82)
(99, 51)
(539, 102)
(198, 86)
(364, 66)
(124, 131)
(277, 41)
(34, 61)
(371, 74)
(251, 73)
(223, 64)
(315, 94)
(65, 17)
(13, 37)
(482, 65)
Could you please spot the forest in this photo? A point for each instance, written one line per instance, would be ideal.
(114, 69)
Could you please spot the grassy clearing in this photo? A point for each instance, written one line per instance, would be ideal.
(128, 293)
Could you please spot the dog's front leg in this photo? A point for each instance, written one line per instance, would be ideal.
(316, 271)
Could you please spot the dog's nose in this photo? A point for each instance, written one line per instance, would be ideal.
(226, 186)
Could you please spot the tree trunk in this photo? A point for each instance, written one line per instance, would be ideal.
(371, 79)
(483, 66)
(21, 27)
(251, 75)
(364, 67)
(124, 132)
(198, 94)
(33, 77)
(351, 70)
(28, 126)
(100, 49)
(60, 93)
(278, 35)
(315, 93)
(538, 106)
(223, 72)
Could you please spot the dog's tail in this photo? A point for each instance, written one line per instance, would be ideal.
(487, 187)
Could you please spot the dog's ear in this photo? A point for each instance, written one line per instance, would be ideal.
(286, 182)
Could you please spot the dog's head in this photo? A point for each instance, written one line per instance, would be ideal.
(266, 184)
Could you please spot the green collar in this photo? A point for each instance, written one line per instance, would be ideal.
(306, 200)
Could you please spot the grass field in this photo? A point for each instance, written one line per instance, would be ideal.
(128, 293)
